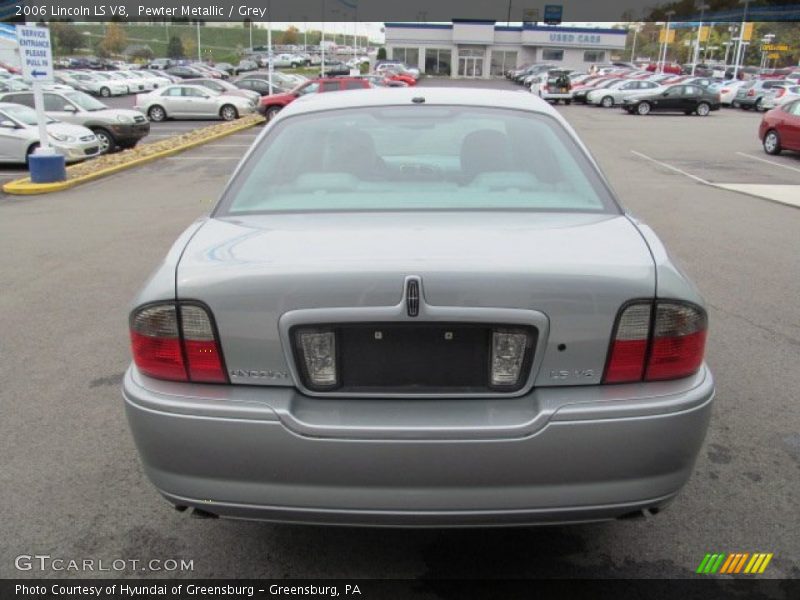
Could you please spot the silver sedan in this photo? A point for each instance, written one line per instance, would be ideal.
(419, 307)
(19, 136)
(192, 102)
(617, 92)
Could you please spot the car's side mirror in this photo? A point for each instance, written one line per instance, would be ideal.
(70, 108)
(8, 124)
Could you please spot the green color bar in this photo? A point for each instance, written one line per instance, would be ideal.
(702, 566)
(718, 564)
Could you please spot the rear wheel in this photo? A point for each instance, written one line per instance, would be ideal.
(643, 108)
(607, 102)
(772, 142)
(228, 112)
(105, 141)
(272, 111)
(567, 102)
(759, 104)
(31, 149)
(105, 92)
(156, 113)
(703, 109)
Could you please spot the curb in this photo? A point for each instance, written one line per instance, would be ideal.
(24, 187)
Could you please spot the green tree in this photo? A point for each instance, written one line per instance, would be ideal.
(67, 37)
(175, 48)
(290, 36)
(115, 40)
(381, 53)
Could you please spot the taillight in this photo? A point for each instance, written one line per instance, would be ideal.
(656, 341)
(629, 345)
(780, 92)
(679, 341)
(176, 346)
(751, 92)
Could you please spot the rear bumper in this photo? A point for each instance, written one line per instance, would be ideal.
(553, 456)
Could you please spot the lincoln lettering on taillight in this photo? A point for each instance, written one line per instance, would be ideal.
(177, 343)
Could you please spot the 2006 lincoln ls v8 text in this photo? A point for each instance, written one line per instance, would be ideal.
(418, 307)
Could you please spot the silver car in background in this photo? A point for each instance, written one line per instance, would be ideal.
(19, 136)
(617, 92)
(418, 307)
(192, 102)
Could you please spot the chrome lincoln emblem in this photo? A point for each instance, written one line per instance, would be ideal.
(412, 297)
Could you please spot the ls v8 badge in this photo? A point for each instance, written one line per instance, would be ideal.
(259, 374)
(576, 373)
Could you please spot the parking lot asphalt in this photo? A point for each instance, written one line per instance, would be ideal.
(72, 485)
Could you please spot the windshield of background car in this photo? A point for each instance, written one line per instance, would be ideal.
(417, 158)
(85, 101)
(23, 114)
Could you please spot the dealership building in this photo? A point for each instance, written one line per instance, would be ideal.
(483, 49)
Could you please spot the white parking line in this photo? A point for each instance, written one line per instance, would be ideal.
(213, 145)
(203, 158)
(769, 162)
(671, 168)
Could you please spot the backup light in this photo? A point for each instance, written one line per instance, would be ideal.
(508, 353)
(318, 349)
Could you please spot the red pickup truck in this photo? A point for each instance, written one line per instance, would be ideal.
(271, 105)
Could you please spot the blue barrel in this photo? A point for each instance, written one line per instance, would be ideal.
(47, 168)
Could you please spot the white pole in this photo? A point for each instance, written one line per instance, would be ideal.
(322, 44)
(41, 118)
(269, 55)
(633, 48)
(669, 14)
(199, 52)
(739, 53)
(251, 35)
(697, 44)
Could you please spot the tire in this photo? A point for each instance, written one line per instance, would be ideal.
(567, 102)
(31, 149)
(703, 109)
(105, 92)
(772, 143)
(643, 108)
(107, 142)
(607, 102)
(271, 112)
(157, 113)
(735, 104)
(295, 65)
(228, 113)
(759, 107)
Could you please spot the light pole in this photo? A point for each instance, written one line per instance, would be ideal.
(669, 14)
(739, 49)
(767, 39)
(703, 8)
(269, 46)
(322, 44)
(199, 54)
(251, 35)
(636, 29)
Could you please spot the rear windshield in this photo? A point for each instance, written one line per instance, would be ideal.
(417, 158)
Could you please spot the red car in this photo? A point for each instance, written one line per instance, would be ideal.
(667, 68)
(271, 105)
(780, 128)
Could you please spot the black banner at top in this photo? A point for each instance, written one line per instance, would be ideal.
(500, 11)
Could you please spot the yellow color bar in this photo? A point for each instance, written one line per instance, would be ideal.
(747, 33)
(765, 563)
(753, 564)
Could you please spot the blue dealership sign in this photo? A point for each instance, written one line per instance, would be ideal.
(553, 14)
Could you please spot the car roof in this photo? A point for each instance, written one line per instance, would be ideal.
(518, 100)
